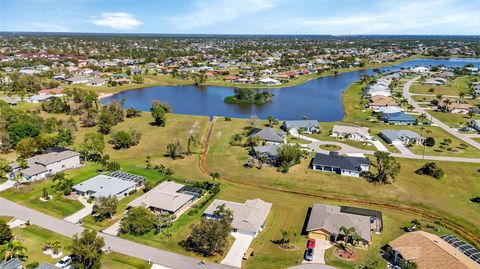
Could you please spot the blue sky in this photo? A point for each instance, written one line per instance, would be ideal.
(459, 17)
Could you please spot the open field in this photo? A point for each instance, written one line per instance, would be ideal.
(459, 84)
(449, 196)
(33, 238)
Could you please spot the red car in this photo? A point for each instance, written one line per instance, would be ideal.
(311, 243)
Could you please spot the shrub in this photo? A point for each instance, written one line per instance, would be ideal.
(429, 142)
(431, 169)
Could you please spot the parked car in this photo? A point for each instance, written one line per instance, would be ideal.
(309, 254)
(311, 243)
(64, 262)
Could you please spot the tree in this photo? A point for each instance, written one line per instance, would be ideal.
(429, 141)
(93, 146)
(87, 249)
(133, 113)
(236, 140)
(5, 232)
(386, 166)
(105, 207)
(430, 169)
(165, 220)
(174, 150)
(22, 129)
(192, 141)
(270, 119)
(422, 117)
(290, 155)
(15, 249)
(45, 195)
(139, 221)
(62, 183)
(121, 140)
(105, 121)
(27, 147)
(210, 236)
(253, 121)
(214, 175)
(137, 79)
(158, 114)
(55, 246)
(405, 264)
(471, 113)
(347, 233)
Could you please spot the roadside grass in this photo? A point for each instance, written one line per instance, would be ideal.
(448, 196)
(29, 195)
(33, 238)
(453, 120)
(330, 147)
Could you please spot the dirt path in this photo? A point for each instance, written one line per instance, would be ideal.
(449, 224)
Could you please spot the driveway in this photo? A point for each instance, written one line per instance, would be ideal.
(114, 229)
(116, 244)
(82, 213)
(319, 252)
(379, 145)
(240, 246)
(403, 149)
(7, 185)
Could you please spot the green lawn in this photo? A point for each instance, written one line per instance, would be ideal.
(459, 84)
(33, 238)
(449, 196)
(29, 195)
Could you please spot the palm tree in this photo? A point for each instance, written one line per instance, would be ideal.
(355, 238)
(347, 232)
(439, 97)
(446, 103)
(191, 141)
(431, 90)
(422, 117)
(15, 249)
(461, 95)
(270, 120)
(215, 175)
(410, 107)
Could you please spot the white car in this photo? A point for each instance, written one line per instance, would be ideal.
(64, 262)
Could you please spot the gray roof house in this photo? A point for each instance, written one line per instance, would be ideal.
(248, 218)
(117, 184)
(325, 222)
(168, 197)
(14, 263)
(268, 153)
(343, 165)
(475, 124)
(404, 136)
(307, 126)
(46, 265)
(270, 135)
(353, 132)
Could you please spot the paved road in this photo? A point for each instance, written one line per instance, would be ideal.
(116, 244)
(408, 96)
(349, 150)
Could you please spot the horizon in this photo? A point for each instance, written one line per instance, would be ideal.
(243, 17)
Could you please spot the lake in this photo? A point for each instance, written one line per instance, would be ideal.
(318, 99)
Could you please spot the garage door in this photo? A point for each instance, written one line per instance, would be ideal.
(318, 236)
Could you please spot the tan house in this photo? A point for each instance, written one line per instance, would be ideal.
(429, 251)
(381, 101)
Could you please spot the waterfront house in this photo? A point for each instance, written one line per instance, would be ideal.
(270, 135)
(96, 82)
(405, 137)
(305, 126)
(379, 101)
(398, 118)
(352, 132)
(248, 218)
(343, 165)
(269, 81)
(268, 154)
(77, 80)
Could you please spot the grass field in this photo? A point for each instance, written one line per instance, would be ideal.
(459, 84)
(449, 196)
(33, 238)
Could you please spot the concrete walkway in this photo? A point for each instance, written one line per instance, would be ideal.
(402, 148)
(408, 97)
(82, 213)
(116, 244)
(234, 256)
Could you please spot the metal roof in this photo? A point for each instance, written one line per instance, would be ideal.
(463, 247)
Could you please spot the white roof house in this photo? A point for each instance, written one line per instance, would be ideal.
(104, 186)
(269, 81)
(248, 218)
(353, 132)
(166, 197)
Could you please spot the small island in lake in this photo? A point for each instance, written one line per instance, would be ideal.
(249, 96)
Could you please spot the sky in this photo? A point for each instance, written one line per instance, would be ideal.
(336, 17)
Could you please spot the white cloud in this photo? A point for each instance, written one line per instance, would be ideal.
(117, 20)
(400, 17)
(211, 12)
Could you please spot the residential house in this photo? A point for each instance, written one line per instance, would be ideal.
(456, 107)
(14, 263)
(270, 135)
(420, 69)
(248, 218)
(269, 81)
(475, 124)
(46, 265)
(305, 126)
(268, 154)
(343, 165)
(168, 197)
(77, 80)
(325, 221)
(379, 101)
(398, 118)
(435, 81)
(389, 109)
(117, 184)
(96, 82)
(352, 132)
(429, 251)
(44, 165)
(52, 92)
(405, 137)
